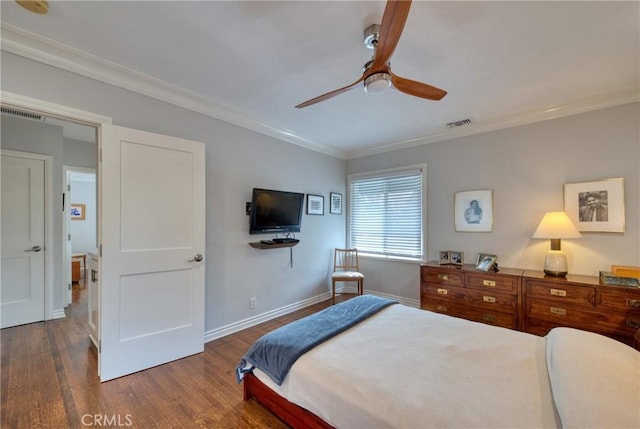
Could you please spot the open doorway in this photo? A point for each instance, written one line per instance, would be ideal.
(67, 145)
(80, 225)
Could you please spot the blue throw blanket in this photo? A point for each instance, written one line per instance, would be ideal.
(274, 353)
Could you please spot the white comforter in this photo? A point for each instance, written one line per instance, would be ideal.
(409, 368)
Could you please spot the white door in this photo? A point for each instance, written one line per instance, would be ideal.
(152, 190)
(23, 240)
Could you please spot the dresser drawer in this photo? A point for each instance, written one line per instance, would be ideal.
(490, 282)
(488, 300)
(590, 320)
(431, 291)
(442, 276)
(561, 293)
(624, 301)
(489, 317)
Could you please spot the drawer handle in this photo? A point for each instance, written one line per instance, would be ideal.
(558, 311)
(490, 283)
(558, 292)
(635, 324)
(489, 317)
(442, 308)
(486, 298)
(443, 291)
(443, 276)
(634, 303)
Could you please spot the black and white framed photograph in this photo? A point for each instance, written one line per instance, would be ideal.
(484, 256)
(456, 258)
(315, 204)
(474, 211)
(335, 205)
(596, 206)
(486, 263)
(451, 257)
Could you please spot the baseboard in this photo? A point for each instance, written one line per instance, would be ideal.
(57, 314)
(223, 331)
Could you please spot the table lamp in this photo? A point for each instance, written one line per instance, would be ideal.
(556, 226)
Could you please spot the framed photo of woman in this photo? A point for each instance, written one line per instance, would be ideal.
(474, 211)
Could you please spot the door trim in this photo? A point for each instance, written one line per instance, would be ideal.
(67, 171)
(10, 99)
(48, 227)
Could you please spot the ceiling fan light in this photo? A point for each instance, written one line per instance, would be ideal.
(377, 83)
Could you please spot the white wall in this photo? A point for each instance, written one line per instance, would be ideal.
(526, 167)
(236, 161)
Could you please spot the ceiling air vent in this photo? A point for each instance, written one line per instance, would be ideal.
(21, 114)
(457, 124)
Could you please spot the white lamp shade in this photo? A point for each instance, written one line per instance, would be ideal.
(556, 225)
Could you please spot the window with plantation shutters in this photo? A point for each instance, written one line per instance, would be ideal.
(386, 213)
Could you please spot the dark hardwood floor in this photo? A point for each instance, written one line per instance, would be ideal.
(49, 380)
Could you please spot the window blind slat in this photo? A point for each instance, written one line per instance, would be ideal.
(385, 213)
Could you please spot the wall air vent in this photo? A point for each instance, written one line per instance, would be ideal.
(457, 124)
(21, 114)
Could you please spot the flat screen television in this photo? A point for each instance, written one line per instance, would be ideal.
(275, 211)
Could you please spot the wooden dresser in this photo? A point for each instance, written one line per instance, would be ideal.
(530, 301)
(580, 302)
(488, 297)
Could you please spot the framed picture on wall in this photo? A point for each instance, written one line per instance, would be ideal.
(335, 201)
(473, 211)
(315, 204)
(77, 211)
(596, 206)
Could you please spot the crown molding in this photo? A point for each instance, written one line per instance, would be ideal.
(35, 47)
(631, 95)
(41, 49)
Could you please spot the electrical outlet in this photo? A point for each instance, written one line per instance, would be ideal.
(252, 303)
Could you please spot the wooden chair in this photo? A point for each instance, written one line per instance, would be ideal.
(346, 268)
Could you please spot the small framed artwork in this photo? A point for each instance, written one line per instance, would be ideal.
(77, 211)
(457, 258)
(335, 206)
(596, 206)
(483, 256)
(315, 204)
(486, 263)
(474, 211)
(451, 257)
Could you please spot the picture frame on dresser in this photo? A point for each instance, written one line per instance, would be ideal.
(596, 206)
(486, 263)
(451, 257)
(473, 211)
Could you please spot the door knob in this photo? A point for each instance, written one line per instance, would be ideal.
(34, 249)
(197, 258)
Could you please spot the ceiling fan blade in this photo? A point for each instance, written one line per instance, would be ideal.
(393, 20)
(417, 89)
(329, 94)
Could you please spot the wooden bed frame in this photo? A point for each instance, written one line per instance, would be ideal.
(290, 413)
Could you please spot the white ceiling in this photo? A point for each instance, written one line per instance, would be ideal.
(249, 63)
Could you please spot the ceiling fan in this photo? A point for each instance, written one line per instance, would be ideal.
(377, 75)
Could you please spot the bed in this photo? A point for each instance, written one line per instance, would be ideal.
(398, 366)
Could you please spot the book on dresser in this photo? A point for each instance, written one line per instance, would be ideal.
(531, 301)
